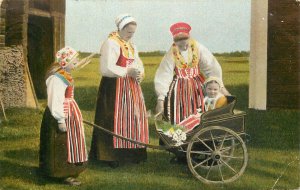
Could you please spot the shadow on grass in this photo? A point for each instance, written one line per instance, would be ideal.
(149, 95)
(22, 155)
(129, 185)
(86, 97)
(158, 162)
(9, 169)
(274, 128)
(16, 137)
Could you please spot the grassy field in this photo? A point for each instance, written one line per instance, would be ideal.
(274, 143)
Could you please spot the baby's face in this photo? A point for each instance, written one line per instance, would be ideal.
(212, 89)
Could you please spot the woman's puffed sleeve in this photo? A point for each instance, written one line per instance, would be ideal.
(164, 76)
(208, 64)
(56, 89)
(109, 55)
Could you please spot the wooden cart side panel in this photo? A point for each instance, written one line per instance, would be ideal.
(236, 124)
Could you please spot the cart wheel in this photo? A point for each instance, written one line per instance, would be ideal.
(224, 158)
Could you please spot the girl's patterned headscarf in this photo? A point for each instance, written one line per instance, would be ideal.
(65, 56)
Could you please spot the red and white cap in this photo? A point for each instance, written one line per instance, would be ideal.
(180, 29)
(65, 56)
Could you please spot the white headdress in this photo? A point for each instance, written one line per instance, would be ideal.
(213, 78)
(123, 19)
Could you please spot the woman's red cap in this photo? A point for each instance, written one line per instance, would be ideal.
(180, 28)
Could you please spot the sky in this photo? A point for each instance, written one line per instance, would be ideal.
(220, 25)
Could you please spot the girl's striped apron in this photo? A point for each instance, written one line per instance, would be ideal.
(76, 145)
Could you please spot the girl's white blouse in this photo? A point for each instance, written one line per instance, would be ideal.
(56, 89)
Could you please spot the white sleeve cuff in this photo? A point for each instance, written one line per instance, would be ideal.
(61, 120)
(161, 97)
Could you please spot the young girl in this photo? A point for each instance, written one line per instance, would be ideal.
(214, 98)
(62, 140)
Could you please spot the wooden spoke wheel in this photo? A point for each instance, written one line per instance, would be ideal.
(217, 155)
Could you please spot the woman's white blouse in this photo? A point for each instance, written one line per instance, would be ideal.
(208, 64)
(109, 55)
(56, 89)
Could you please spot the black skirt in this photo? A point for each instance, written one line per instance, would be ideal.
(102, 143)
(53, 151)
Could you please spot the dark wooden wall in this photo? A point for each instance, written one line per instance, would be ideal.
(40, 51)
(3, 6)
(283, 54)
(16, 23)
(38, 26)
(40, 4)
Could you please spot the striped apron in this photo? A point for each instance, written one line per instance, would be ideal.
(130, 119)
(185, 94)
(76, 145)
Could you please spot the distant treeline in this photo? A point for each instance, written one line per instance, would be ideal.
(142, 54)
(225, 54)
(84, 54)
(161, 53)
(152, 53)
(233, 54)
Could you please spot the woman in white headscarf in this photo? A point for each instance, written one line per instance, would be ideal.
(120, 104)
(62, 141)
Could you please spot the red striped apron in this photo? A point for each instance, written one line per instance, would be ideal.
(130, 119)
(76, 145)
(186, 89)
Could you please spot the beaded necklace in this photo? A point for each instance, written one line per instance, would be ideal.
(193, 56)
(127, 48)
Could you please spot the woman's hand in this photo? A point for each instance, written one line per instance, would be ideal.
(140, 77)
(62, 127)
(133, 72)
(159, 106)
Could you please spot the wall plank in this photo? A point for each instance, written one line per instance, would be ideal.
(283, 80)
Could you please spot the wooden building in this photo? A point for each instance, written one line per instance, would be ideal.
(35, 29)
(275, 54)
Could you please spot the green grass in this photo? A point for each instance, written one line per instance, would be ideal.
(274, 142)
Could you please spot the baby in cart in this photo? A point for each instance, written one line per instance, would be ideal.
(213, 99)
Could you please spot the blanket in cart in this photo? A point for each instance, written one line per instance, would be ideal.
(190, 122)
(178, 132)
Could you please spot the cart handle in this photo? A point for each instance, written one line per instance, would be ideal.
(127, 139)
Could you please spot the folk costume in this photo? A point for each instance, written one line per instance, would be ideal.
(180, 77)
(62, 154)
(120, 103)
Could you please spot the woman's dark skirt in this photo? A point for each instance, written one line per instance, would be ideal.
(53, 151)
(102, 143)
